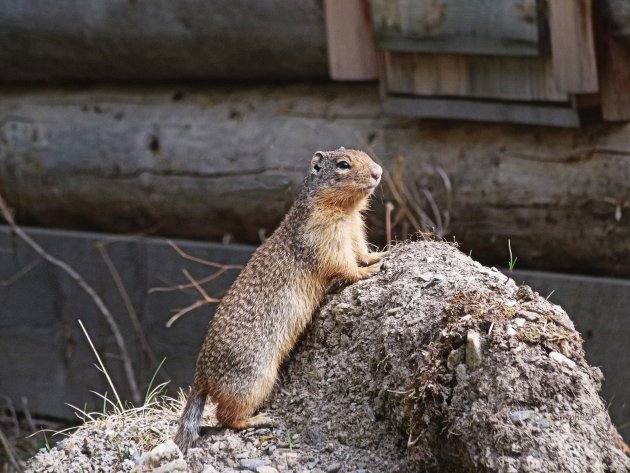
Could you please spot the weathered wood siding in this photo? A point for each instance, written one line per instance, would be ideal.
(497, 27)
(529, 79)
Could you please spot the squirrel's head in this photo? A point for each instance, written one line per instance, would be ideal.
(342, 178)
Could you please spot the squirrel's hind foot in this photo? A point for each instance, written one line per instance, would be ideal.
(258, 421)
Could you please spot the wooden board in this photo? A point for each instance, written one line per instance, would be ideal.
(482, 111)
(613, 57)
(573, 46)
(351, 49)
(496, 27)
(617, 16)
(493, 77)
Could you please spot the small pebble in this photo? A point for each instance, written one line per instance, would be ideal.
(560, 358)
(455, 357)
(525, 293)
(460, 372)
(253, 463)
(520, 416)
(519, 322)
(266, 469)
(342, 308)
(528, 315)
(333, 468)
(540, 423)
(473, 350)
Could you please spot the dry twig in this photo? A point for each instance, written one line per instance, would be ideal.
(205, 262)
(133, 315)
(21, 272)
(193, 283)
(7, 447)
(206, 299)
(389, 208)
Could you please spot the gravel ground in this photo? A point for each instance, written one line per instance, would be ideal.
(435, 364)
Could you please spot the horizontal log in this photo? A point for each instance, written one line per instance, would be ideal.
(206, 162)
(160, 40)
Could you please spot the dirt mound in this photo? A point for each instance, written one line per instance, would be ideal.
(436, 363)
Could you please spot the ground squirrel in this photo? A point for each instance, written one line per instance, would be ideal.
(321, 239)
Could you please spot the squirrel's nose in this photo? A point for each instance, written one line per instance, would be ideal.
(376, 171)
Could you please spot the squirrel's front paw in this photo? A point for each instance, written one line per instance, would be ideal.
(367, 271)
(376, 257)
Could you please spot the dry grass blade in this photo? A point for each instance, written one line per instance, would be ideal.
(402, 203)
(389, 208)
(10, 453)
(27, 414)
(102, 366)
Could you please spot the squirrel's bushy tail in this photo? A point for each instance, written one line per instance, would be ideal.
(190, 419)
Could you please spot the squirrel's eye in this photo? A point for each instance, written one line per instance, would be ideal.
(316, 167)
(343, 165)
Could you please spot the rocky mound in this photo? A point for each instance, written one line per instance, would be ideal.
(436, 363)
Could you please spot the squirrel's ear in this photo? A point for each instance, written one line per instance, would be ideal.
(317, 157)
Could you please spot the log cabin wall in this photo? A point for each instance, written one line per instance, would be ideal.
(168, 117)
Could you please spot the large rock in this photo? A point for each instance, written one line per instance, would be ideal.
(369, 386)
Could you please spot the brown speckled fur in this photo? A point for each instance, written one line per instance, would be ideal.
(322, 238)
